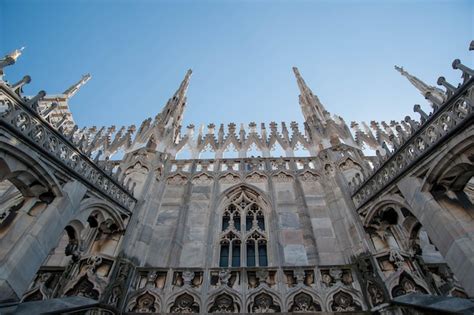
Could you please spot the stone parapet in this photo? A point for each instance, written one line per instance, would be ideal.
(19, 117)
(455, 114)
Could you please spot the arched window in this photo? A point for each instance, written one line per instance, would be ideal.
(243, 237)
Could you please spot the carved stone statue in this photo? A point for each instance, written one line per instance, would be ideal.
(224, 276)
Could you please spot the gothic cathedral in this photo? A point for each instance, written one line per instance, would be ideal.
(264, 218)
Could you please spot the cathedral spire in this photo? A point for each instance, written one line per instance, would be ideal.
(172, 113)
(425, 89)
(72, 90)
(181, 92)
(312, 108)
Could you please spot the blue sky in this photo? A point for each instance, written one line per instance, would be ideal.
(241, 53)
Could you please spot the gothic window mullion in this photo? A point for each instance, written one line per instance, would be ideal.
(243, 254)
(248, 222)
(262, 253)
(236, 253)
(231, 252)
(257, 262)
(224, 254)
(237, 224)
(251, 254)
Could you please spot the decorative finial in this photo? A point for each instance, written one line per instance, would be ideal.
(400, 69)
(71, 91)
(16, 53)
(9, 60)
(421, 86)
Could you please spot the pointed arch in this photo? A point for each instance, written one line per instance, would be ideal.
(406, 283)
(184, 301)
(243, 234)
(104, 210)
(263, 300)
(213, 305)
(29, 175)
(303, 300)
(341, 299)
(256, 177)
(459, 154)
(144, 301)
(85, 287)
(380, 205)
(251, 189)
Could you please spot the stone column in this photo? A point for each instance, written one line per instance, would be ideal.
(19, 266)
(452, 238)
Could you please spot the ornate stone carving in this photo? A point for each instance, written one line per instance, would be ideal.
(224, 303)
(336, 275)
(262, 275)
(375, 294)
(146, 303)
(329, 169)
(84, 288)
(41, 289)
(299, 275)
(184, 304)
(224, 276)
(406, 285)
(411, 144)
(256, 178)
(202, 179)
(29, 125)
(188, 277)
(151, 279)
(230, 179)
(344, 302)
(303, 303)
(177, 180)
(116, 293)
(347, 277)
(309, 177)
(282, 177)
(263, 303)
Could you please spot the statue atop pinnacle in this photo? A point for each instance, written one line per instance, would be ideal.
(9, 60)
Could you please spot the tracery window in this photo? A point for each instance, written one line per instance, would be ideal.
(243, 239)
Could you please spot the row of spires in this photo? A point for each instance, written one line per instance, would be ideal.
(166, 126)
(311, 106)
(11, 59)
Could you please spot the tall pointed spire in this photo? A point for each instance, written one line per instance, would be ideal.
(312, 108)
(421, 86)
(172, 113)
(72, 90)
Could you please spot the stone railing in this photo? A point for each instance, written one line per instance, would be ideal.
(260, 164)
(434, 129)
(250, 278)
(19, 116)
